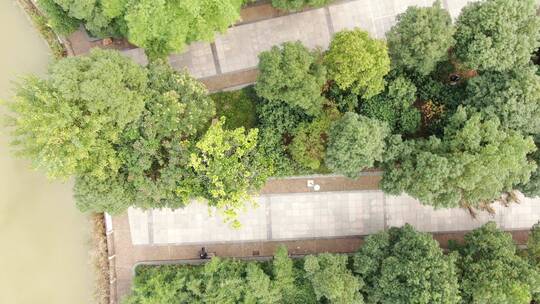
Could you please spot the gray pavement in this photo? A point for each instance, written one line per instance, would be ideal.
(279, 217)
(238, 48)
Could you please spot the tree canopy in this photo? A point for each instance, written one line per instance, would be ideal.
(70, 122)
(513, 97)
(421, 38)
(470, 166)
(292, 74)
(395, 106)
(357, 62)
(491, 270)
(402, 265)
(355, 143)
(497, 35)
(161, 27)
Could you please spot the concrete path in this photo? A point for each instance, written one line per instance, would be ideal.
(279, 217)
(236, 51)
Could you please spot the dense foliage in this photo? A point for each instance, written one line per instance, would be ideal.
(470, 166)
(421, 38)
(292, 74)
(402, 265)
(513, 97)
(357, 62)
(70, 122)
(355, 143)
(397, 266)
(161, 27)
(491, 270)
(497, 34)
(318, 279)
(395, 106)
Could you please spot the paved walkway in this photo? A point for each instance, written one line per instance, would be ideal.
(231, 60)
(277, 217)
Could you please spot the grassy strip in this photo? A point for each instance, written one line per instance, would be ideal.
(100, 260)
(40, 22)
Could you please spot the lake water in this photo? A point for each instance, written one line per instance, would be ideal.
(44, 240)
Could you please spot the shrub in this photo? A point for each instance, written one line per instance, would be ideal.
(238, 107)
(294, 5)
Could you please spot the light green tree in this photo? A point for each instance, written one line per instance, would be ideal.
(70, 122)
(162, 27)
(331, 280)
(402, 266)
(421, 38)
(491, 270)
(470, 166)
(228, 168)
(292, 74)
(355, 143)
(357, 62)
(497, 34)
(294, 5)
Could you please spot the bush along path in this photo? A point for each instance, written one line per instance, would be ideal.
(398, 266)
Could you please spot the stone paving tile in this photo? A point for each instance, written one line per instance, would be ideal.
(239, 48)
(138, 221)
(197, 222)
(198, 60)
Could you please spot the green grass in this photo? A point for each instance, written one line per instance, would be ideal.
(238, 108)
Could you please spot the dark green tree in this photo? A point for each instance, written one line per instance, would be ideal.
(421, 38)
(512, 96)
(395, 106)
(491, 270)
(470, 166)
(402, 266)
(355, 143)
(292, 74)
(497, 34)
(357, 62)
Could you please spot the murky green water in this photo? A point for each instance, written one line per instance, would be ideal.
(44, 240)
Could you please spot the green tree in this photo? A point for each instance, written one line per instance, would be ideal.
(259, 289)
(491, 270)
(513, 97)
(70, 122)
(57, 18)
(292, 74)
(223, 281)
(294, 5)
(228, 168)
(331, 279)
(162, 27)
(356, 61)
(155, 150)
(402, 265)
(421, 38)
(470, 166)
(355, 143)
(497, 34)
(395, 106)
